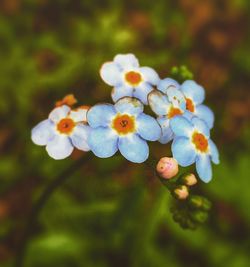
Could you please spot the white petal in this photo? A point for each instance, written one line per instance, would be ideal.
(176, 97)
(43, 132)
(150, 75)
(126, 61)
(167, 83)
(129, 105)
(120, 92)
(193, 91)
(80, 136)
(59, 147)
(167, 133)
(201, 126)
(142, 91)
(79, 115)
(111, 74)
(158, 102)
(59, 113)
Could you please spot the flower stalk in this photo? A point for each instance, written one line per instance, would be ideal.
(189, 210)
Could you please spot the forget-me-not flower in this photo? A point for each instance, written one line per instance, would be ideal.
(122, 126)
(194, 95)
(166, 106)
(192, 144)
(171, 88)
(128, 78)
(62, 131)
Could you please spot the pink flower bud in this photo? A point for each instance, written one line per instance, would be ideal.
(181, 192)
(167, 167)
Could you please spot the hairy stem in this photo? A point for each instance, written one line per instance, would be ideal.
(40, 203)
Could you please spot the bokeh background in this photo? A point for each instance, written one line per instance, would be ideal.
(112, 212)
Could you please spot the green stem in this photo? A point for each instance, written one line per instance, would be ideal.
(40, 203)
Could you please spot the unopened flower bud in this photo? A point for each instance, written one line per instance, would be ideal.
(167, 167)
(195, 201)
(200, 202)
(189, 179)
(68, 100)
(199, 216)
(181, 192)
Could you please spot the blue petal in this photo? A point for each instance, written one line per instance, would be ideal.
(158, 103)
(80, 136)
(103, 142)
(167, 133)
(167, 83)
(100, 115)
(200, 126)
(43, 132)
(111, 73)
(129, 105)
(148, 128)
(126, 61)
(120, 92)
(150, 75)
(206, 114)
(133, 148)
(213, 152)
(193, 91)
(183, 151)
(203, 167)
(181, 126)
(141, 92)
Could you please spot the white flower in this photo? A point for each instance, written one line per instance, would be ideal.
(62, 131)
(128, 78)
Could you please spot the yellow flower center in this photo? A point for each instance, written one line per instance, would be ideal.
(123, 124)
(200, 142)
(189, 105)
(65, 126)
(174, 112)
(133, 77)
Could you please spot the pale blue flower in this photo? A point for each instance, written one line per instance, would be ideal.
(171, 88)
(128, 78)
(195, 95)
(62, 131)
(166, 106)
(192, 144)
(122, 126)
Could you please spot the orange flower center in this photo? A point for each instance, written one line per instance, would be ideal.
(133, 78)
(174, 112)
(200, 142)
(124, 124)
(65, 126)
(189, 105)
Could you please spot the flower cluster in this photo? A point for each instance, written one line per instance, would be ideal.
(181, 117)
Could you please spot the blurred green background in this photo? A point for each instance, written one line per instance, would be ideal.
(112, 212)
